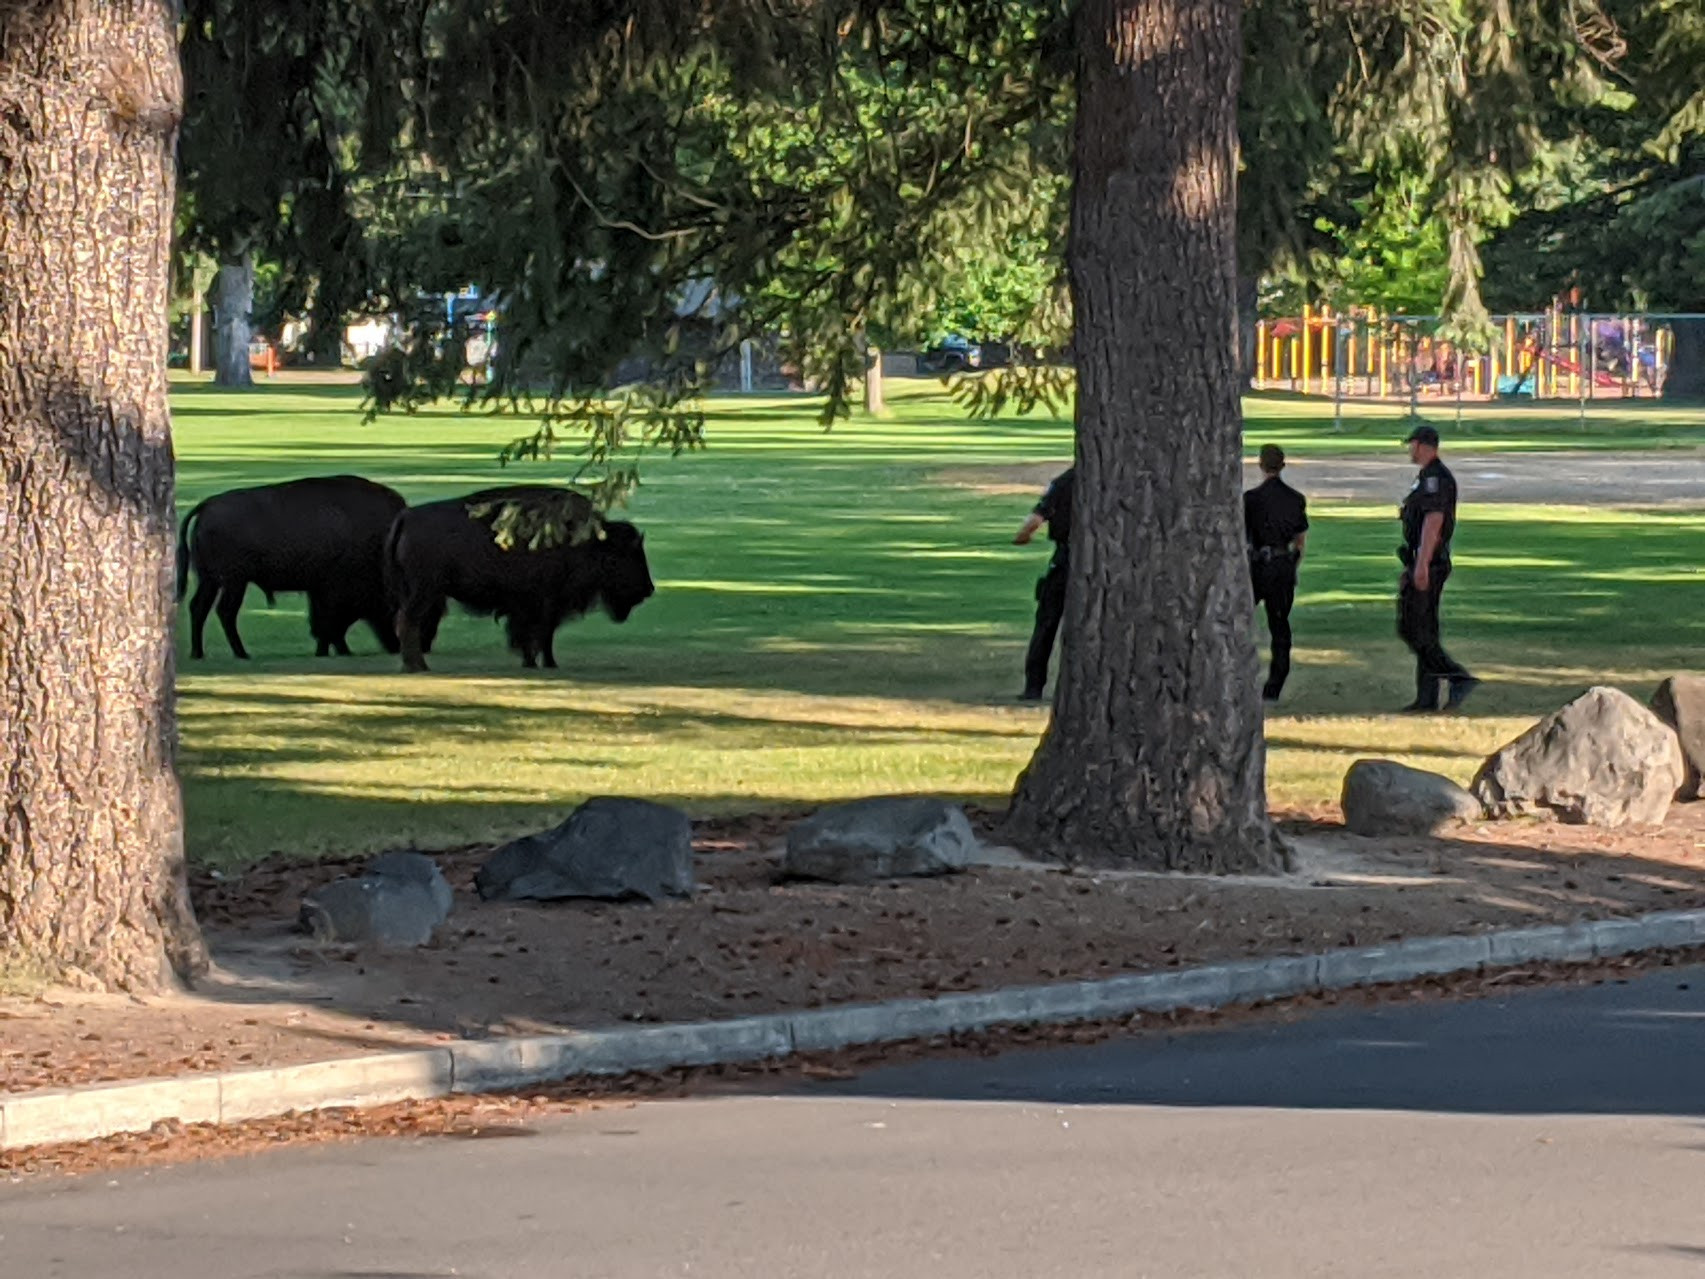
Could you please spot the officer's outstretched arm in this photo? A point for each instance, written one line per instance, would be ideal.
(1029, 530)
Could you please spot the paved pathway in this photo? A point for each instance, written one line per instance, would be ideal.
(1576, 479)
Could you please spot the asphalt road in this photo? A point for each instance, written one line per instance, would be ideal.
(1552, 1133)
(1638, 480)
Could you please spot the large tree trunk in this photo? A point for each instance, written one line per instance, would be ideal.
(91, 850)
(1685, 377)
(1154, 757)
(233, 309)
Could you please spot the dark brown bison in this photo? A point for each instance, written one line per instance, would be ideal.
(449, 550)
(324, 536)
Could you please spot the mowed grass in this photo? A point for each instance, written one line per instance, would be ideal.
(839, 614)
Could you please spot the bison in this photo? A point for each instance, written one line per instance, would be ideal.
(449, 550)
(324, 536)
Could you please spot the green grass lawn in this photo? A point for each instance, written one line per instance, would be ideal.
(833, 618)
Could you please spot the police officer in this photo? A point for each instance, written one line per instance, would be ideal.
(1054, 510)
(1429, 522)
(1275, 526)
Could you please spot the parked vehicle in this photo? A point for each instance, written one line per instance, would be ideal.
(953, 354)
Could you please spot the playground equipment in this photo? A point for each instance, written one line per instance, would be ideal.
(1552, 354)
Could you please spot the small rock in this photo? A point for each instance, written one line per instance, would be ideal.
(1382, 797)
(413, 868)
(1603, 760)
(1680, 703)
(880, 838)
(613, 849)
(372, 909)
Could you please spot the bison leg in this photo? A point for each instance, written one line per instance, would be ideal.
(429, 626)
(415, 626)
(318, 627)
(230, 604)
(408, 637)
(385, 631)
(200, 605)
(520, 630)
(547, 646)
(408, 634)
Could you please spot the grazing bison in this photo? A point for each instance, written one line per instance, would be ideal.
(449, 551)
(325, 536)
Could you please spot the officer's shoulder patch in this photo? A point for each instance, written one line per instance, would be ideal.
(1432, 484)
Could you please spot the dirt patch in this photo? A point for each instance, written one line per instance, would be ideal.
(750, 944)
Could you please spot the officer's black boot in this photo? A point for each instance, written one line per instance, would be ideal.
(1460, 687)
(1426, 696)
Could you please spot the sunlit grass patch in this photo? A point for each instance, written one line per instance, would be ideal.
(834, 619)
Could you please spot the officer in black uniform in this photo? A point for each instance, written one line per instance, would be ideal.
(1275, 526)
(1054, 510)
(1429, 522)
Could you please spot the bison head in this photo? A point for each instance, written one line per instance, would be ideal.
(624, 578)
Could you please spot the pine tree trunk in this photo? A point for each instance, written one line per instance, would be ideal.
(1154, 757)
(91, 850)
(875, 403)
(197, 338)
(324, 341)
(233, 309)
(1685, 378)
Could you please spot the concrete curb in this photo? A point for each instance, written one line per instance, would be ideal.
(100, 1110)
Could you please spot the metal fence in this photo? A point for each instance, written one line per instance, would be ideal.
(1553, 354)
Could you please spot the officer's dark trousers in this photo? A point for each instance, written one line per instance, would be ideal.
(1275, 582)
(1418, 625)
(1050, 608)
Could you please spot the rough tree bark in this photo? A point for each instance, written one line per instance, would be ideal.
(91, 852)
(1154, 757)
(324, 341)
(875, 402)
(1685, 379)
(233, 309)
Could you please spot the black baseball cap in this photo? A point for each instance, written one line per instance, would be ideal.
(1423, 435)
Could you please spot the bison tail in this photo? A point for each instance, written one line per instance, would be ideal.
(183, 548)
(392, 563)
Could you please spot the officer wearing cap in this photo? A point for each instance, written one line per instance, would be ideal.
(1275, 528)
(1054, 510)
(1429, 522)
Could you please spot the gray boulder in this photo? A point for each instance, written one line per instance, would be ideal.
(613, 849)
(1603, 760)
(881, 838)
(377, 910)
(1382, 797)
(413, 868)
(1680, 703)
